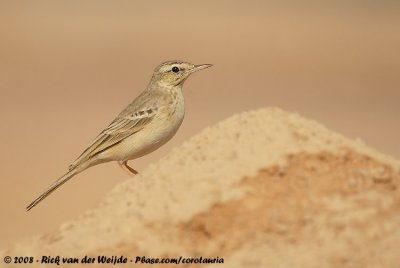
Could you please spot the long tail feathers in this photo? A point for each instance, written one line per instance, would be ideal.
(53, 187)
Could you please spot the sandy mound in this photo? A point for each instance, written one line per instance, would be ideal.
(261, 189)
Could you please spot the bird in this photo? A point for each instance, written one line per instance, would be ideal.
(147, 123)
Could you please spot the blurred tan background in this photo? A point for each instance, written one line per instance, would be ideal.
(68, 67)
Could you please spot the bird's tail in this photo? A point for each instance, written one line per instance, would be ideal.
(53, 187)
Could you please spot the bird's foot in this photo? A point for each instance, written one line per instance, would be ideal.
(128, 169)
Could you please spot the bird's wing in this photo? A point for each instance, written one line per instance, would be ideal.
(122, 127)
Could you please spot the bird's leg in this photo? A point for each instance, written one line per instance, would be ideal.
(128, 169)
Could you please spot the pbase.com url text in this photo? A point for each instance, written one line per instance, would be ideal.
(180, 260)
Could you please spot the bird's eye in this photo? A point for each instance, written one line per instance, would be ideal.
(175, 69)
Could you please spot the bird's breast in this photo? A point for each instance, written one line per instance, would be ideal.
(171, 117)
(161, 129)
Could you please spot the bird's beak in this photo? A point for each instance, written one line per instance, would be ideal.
(199, 67)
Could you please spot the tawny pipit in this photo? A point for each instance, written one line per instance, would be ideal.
(147, 123)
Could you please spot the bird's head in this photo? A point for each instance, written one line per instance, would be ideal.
(174, 73)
